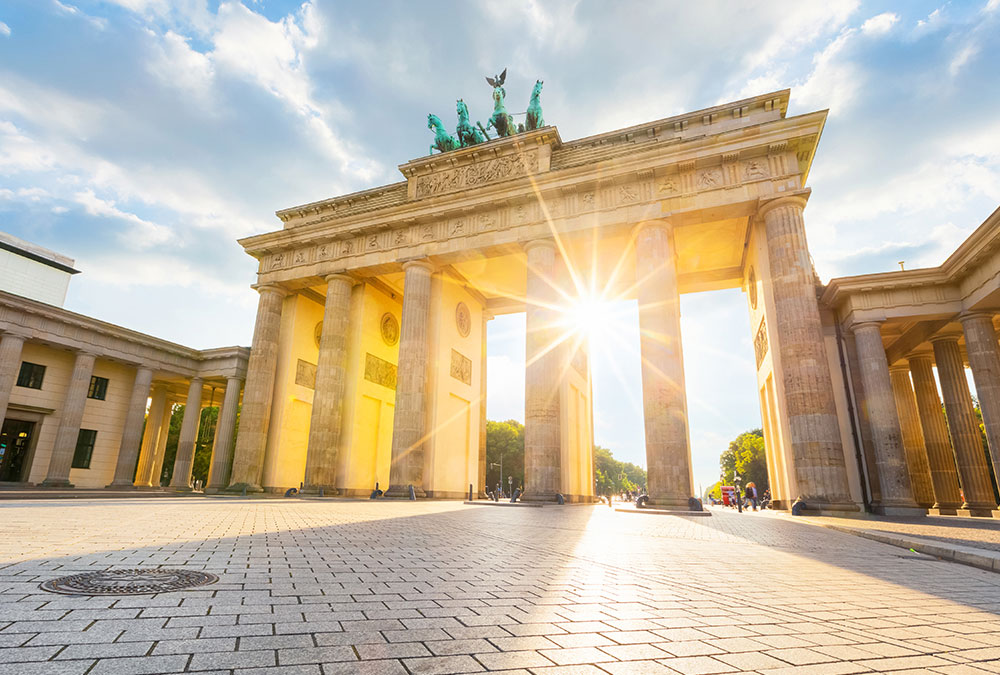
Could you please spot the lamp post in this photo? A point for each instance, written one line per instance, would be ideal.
(736, 488)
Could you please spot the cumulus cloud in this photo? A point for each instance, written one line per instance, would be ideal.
(880, 24)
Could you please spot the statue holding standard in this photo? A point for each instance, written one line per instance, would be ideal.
(500, 120)
(443, 141)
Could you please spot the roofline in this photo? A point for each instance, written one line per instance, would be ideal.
(24, 253)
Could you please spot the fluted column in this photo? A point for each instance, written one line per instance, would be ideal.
(963, 427)
(984, 360)
(409, 419)
(894, 478)
(251, 441)
(481, 489)
(70, 421)
(222, 447)
(328, 397)
(128, 449)
(11, 345)
(542, 374)
(668, 455)
(913, 436)
(161, 443)
(184, 459)
(808, 388)
(150, 437)
(939, 453)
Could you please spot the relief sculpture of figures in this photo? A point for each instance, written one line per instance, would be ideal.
(500, 120)
(443, 141)
(467, 134)
(534, 120)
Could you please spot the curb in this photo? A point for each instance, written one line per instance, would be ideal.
(965, 555)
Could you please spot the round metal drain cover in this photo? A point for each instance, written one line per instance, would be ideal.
(128, 582)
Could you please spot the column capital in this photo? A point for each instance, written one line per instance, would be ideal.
(945, 337)
(270, 288)
(970, 315)
(538, 243)
(660, 223)
(341, 276)
(871, 323)
(422, 263)
(787, 200)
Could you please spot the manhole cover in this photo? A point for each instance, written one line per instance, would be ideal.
(128, 582)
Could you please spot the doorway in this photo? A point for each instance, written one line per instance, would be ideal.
(15, 444)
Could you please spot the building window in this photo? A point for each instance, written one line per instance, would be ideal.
(31, 375)
(98, 388)
(84, 448)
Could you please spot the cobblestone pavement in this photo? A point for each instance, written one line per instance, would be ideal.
(976, 532)
(328, 587)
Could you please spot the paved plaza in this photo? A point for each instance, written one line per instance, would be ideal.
(329, 587)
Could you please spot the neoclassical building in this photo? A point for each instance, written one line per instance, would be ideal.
(88, 404)
(367, 364)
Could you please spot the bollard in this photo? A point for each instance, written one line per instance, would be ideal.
(413, 494)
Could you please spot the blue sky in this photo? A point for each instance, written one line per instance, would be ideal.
(142, 137)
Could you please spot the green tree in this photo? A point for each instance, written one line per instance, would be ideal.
(504, 446)
(746, 455)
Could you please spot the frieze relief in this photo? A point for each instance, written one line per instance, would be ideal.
(481, 173)
(684, 179)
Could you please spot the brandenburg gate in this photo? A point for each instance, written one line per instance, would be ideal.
(368, 361)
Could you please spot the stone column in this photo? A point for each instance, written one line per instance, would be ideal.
(932, 422)
(963, 427)
(128, 449)
(409, 419)
(251, 441)
(70, 421)
(913, 436)
(222, 447)
(184, 459)
(10, 365)
(328, 399)
(668, 456)
(161, 443)
(481, 489)
(542, 376)
(984, 360)
(147, 450)
(894, 478)
(808, 388)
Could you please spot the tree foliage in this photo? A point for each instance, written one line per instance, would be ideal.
(614, 477)
(746, 456)
(504, 445)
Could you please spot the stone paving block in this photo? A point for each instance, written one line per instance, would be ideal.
(139, 665)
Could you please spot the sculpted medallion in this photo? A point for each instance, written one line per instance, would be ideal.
(463, 319)
(390, 329)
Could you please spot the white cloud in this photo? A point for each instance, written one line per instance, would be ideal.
(879, 24)
(143, 233)
(4, 29)
(175, 64)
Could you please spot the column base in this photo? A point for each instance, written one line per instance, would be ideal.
(904, 511)
(60, 483)
(404, 491)
(978, 512)
(543, 497)
(239, 487)
(120, 486)
(313, 490)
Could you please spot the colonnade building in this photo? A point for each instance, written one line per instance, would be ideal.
(88, 404)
